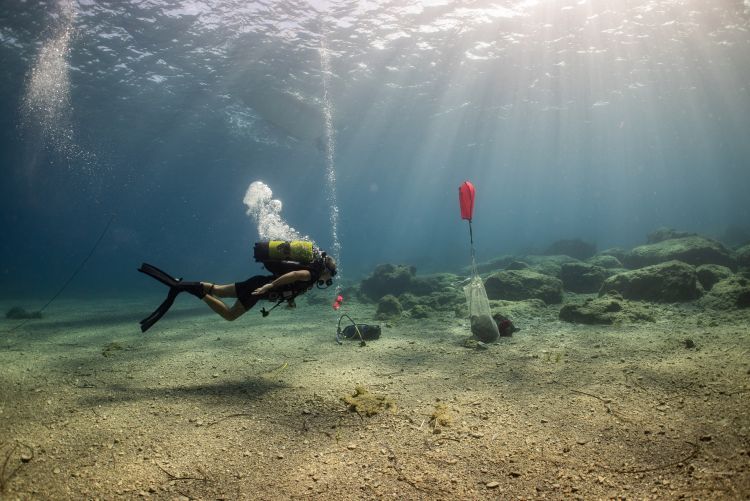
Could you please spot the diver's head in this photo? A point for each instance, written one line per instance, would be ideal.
(329, 271)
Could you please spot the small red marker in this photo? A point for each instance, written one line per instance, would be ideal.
(337, 304)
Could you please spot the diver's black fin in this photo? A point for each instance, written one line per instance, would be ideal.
(159, 312)
(155, 273)
(194, 288)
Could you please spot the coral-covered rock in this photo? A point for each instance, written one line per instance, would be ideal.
(617, 252)
(582, 277)
(396, 279)
(518, 285)
(389, 307)
(606, 261)
(392, 279)
(495, 264)
(608, 309)
(693, 250)
(421, 311)
(709, 274)
(549, 265)
(731, 293)
(517, 265)
(666, 282)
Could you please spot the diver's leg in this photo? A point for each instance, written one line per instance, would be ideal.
(227, 313)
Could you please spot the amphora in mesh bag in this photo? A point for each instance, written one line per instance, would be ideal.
(483, 326)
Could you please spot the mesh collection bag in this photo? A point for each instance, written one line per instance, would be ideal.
(483, 326)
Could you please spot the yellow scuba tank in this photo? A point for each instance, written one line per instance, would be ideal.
(300, 251)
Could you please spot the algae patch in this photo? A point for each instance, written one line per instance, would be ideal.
(441, 417)
(369, 404)
(111, 348)
(18, 313)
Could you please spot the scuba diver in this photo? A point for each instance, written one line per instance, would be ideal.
(295, 268)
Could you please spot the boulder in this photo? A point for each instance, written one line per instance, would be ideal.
(392, 279)
(709, 274)
(495, 264)
(693, 250)
(397, 279)
(444, 300)
(576, 248)
(664, 233)
(518, 285)
(421, 311)
(617, 252)
(582, 277)
(433, 284)
(665, 282)
(731, 293)
(605, 261)
(389, 307)
(447, 300)
(549, 265)
(517, 265)
(608, 309)
(528, 309)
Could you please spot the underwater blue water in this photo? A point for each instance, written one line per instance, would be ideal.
(592, 119)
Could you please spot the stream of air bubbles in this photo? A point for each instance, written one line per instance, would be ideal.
(330, 152)
(46, 104)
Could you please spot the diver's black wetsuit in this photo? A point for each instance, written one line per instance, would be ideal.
(245, 289)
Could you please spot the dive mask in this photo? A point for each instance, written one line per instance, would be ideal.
(330, 270)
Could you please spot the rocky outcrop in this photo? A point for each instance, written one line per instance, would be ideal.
(576, 248)
(605, 261)
(582, 278)
(389, 307)
(448, 300)
(728, 294)
(663, 233)
(665, 283)
(517, 265)
(396, 279)
(693, 250)
(608, 309)
(495, 264)
(617, 252)
(709, 274)
(518, 285)
(392, 279)
(548, 265)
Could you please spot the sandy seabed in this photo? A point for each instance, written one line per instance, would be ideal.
(200, 408)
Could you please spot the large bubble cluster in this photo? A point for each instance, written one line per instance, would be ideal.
(266, 211)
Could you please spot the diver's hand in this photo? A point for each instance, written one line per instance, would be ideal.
(262, 290)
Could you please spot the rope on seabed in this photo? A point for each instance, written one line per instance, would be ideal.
(75, 273)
